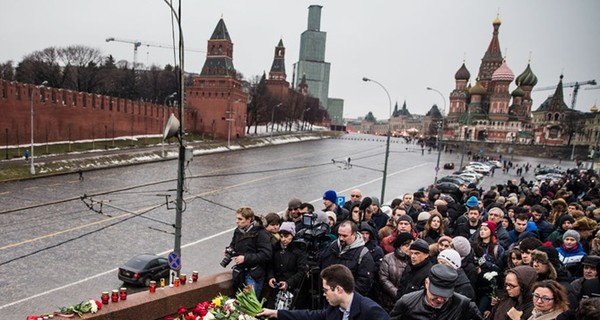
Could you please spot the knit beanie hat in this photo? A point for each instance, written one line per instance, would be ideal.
(405, 218)
(420, 245)
(472, 202)
(452, 257)
(330, 195)
(288, 227)
(491, 225)
(573, 234)
(444, 238)
(401, 239)
(294, 203)
(375, 201)
(461, 245)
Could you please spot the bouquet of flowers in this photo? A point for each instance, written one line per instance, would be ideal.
(245, 307)
(492, 278)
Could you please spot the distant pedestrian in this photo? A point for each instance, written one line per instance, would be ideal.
(26, 155)
(80, 174)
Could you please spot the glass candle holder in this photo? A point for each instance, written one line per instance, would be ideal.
(176, 282)
(123, 293)
(194, 276)
(152, 286)
(104, 298)
(162, 282)
(183, 278)
(114, 297)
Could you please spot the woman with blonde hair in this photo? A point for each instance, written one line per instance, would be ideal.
(549, 300)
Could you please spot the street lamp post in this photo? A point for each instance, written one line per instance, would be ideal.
(440, 129)
(32, 167)
(573, 149)
(465, 132)
(162, 141)
(273, 117)
(387, 143)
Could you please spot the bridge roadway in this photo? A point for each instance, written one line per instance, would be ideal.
(55, 251)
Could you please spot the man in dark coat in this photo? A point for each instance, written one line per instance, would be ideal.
(350, 250)
(344, 302)
(437, 300)
(414, 276)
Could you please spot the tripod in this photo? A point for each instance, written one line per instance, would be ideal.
(310, 283)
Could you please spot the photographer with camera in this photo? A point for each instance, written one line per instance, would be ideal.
(286, 270)
(250, 250)
(350, 251)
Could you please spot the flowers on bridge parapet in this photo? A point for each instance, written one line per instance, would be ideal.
(244, 307)
(90, 306)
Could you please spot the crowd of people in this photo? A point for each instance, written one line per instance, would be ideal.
(513, 251)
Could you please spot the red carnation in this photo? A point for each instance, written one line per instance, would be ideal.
(98, 304)
(181, 310)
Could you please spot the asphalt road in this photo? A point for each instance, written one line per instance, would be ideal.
(57, 250)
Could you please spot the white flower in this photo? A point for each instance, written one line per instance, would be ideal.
(209, 316)
(94, 307)
(489, 276)
(230, 304)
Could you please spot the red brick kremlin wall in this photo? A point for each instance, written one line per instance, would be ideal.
(64, 115)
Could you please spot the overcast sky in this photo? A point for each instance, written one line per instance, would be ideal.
(405, 45)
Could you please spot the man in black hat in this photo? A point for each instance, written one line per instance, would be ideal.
(437, 300)
(413, 278)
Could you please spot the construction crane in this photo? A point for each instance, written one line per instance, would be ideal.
(574, 85)
(137, 44)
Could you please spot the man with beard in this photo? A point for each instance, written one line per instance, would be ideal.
(467, 225)
(437, 300)
(350, 251)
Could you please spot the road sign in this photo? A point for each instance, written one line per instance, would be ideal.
(340, 200)
(174, 261)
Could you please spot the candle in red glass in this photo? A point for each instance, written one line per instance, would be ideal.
(152, 286)
(123, 294)
(183, 278)
(105, 297)
(114, 297)
(194, 276)
(176, 282)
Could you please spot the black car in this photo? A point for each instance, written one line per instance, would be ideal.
(142, 269)
(447, 187)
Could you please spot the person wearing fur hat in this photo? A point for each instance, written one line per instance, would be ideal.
(564, 223)
(518, 302)
(547, 265)
(590, 272)
(585, 227)
(392, 267)
(559, 207)
(571, 252)
(288, 265)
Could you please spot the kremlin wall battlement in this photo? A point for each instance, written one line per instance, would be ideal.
(65, 115)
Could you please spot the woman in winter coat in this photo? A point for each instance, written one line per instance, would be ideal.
(392, 267)
(434, 228)
(549, 300)
(488, 254)
(518, 303)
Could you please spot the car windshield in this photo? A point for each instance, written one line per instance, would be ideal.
(138, 262)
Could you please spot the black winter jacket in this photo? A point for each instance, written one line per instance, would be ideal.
(255, 246)
(413, 306)
(288, 265)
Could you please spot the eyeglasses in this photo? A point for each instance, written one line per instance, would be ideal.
(543, 298)
(355, 195)
(511, 286)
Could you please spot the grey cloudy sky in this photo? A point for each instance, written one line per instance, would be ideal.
(405, 45)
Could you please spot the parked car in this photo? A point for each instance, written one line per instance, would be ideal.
(453, 179)
(143, 268)
(478, 168)
(494, 163)
(447, 187)
(477, 174)
(449, 166)
(545, 170)
(472, 178)
(472, 163)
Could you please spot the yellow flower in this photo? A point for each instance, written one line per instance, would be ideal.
(217, 301)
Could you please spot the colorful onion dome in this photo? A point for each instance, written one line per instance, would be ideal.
(518, 92)
(462, 73)
(503, 73)
(527, 78)
(477, 89)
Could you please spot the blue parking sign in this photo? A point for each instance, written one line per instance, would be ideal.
(340, 200)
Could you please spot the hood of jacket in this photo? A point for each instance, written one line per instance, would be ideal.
(359, 242)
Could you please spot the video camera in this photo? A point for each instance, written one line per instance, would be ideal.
(314, 235)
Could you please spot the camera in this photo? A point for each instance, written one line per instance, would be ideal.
(229, 254)
(309, 219)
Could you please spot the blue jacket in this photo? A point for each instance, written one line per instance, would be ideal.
(571, 258)
(362, 308)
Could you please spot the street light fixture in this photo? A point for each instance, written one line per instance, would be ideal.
(440, 129)
(32, 167)
(387, 143)
(162, 141)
